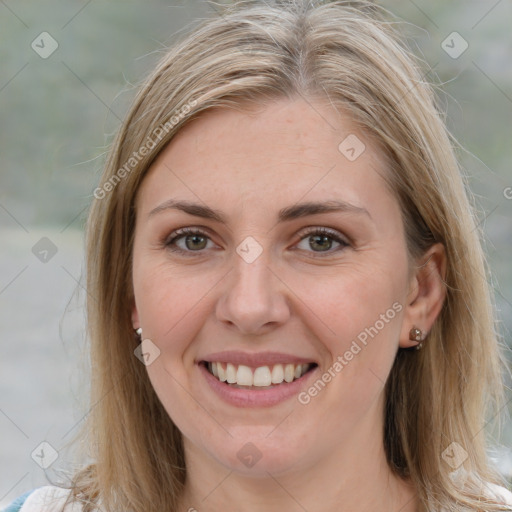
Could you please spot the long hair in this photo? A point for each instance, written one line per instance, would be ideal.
(350, 54)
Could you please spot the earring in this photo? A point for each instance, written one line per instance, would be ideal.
(416, 335)
(139, 332)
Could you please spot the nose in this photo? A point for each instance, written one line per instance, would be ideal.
(254, 299)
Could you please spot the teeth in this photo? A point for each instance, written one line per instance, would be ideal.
(222, 373)
(262, 376)
(289, 372)
(244, 376)
(277, 374)
(231, 373)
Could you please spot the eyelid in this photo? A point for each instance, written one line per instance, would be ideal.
(334, 234)
(187, 230)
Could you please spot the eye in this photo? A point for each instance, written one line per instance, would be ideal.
(322, 238)
(196, 240)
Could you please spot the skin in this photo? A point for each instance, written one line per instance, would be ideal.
(295, 297)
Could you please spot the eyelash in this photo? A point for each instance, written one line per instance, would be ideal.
(183, 232)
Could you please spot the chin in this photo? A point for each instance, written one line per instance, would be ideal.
(258, 456)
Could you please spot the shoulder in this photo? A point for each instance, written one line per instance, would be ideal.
(488, 490)
(501, 493)
(49, 498)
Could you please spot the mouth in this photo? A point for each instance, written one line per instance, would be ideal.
(257, 378)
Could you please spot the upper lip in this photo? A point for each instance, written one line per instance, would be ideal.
(254, 359)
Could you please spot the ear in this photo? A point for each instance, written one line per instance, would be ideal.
(427, 292)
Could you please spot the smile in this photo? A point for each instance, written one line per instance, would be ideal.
(265, 377)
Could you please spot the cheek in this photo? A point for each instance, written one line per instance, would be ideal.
(169, 302)
(356, 299)
(170, 311)
(363, 310)
(361, 353)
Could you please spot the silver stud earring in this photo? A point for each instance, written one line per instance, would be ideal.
(139, 332)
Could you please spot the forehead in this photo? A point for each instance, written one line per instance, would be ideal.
(283, 152)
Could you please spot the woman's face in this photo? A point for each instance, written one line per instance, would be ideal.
(257, 286)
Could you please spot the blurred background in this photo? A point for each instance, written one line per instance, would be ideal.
(67, 75)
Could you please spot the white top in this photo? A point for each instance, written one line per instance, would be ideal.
(51, 499)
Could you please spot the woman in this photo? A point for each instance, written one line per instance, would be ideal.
(286, 289)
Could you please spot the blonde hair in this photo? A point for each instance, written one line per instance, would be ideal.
(349, 54)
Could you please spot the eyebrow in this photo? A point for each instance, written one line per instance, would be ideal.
(289, 213)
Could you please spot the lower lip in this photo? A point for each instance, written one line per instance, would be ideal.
(258, 397)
